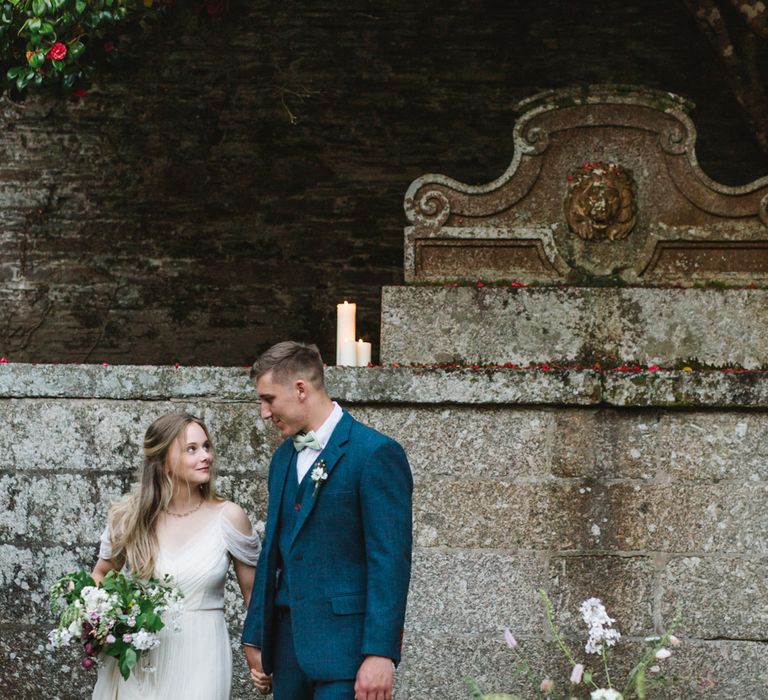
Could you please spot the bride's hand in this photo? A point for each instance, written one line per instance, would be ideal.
(261, 680)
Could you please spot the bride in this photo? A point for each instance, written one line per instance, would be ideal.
(173, 522)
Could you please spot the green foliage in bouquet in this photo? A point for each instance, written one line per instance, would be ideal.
(58, 45)
(120, 618)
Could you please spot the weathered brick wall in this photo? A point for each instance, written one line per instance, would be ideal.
(177, 213)
(649, 494)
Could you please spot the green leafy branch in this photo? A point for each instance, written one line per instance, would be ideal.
(59, 45)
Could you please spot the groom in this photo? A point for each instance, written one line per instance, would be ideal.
(328, 604)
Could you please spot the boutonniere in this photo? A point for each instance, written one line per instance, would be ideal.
(319, 475)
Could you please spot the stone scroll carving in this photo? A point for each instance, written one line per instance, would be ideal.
(642, 213)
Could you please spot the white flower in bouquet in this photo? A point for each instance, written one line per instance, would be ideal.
(96, 601)
(142, 641)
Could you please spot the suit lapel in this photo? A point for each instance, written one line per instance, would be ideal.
(282, 469)
(331, 455)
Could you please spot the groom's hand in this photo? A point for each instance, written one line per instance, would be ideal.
(374, 679)
(261, 680)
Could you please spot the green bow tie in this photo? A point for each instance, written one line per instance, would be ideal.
(309, 439)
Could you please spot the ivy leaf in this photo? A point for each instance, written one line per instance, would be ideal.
(39, 7)
(79, 6)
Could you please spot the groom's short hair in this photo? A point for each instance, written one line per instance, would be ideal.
(289, 360)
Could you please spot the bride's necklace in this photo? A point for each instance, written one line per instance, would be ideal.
(186, 512)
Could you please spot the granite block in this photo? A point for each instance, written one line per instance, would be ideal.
(455, 591)
(469, 443)
(625, 584)
(718, 597)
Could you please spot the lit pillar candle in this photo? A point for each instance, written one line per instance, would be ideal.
(363, 353)
(345, 329)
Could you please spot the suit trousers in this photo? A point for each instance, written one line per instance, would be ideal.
(289, 682)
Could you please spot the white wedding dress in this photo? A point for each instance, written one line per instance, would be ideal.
(196, 662)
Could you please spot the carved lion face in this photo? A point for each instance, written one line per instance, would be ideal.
(601, 202)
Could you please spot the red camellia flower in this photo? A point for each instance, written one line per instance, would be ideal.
(109, 46)
(79, 92)
(57, 51)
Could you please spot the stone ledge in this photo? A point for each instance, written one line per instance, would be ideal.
(490, 386)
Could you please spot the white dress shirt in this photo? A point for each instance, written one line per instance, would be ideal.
(306, 458)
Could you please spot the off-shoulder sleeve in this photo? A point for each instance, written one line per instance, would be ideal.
(105, 545)
(244, 548)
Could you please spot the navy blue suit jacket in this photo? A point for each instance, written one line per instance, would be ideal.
(350, 555)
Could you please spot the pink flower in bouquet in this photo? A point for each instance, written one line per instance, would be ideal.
(127, 638)
(87, 662)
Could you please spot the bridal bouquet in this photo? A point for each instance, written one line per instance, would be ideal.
(588, 680)
(120, 618)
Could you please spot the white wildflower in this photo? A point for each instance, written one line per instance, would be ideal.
(593, 612)
(605, 694)
(663, 653)
(59, 638)
(600, 631)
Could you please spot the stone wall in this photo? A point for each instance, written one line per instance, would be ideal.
(239, 176)
(646, 489)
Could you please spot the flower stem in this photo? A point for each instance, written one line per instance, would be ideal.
(551, 622)
(605, 666)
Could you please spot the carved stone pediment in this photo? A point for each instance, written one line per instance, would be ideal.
(603, 187)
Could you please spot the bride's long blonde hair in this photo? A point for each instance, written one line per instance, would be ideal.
(133, 519)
